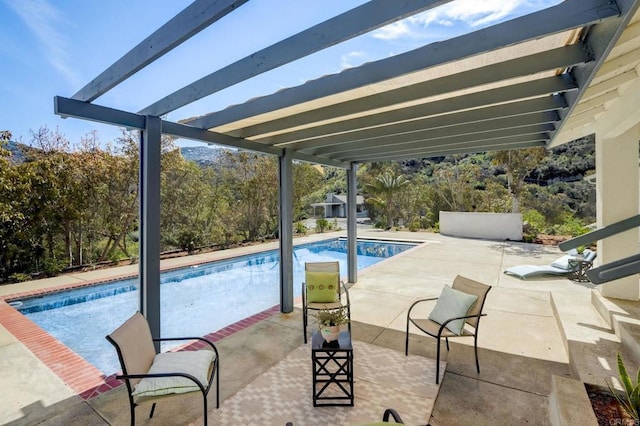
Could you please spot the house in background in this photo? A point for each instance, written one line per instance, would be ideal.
(336, 206)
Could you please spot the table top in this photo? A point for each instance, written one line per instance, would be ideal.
(344, 342)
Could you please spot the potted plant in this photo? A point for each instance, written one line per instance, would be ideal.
(330, 321)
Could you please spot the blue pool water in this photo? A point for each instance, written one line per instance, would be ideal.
(195, 301)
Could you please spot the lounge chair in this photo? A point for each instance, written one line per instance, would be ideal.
(151, 376)
(567, 265)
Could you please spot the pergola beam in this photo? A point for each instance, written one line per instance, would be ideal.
(567, 15)
(531, 89)
(66, 107)
(355, 22)
(193, 19)
(537, 132)
(392, 156)
(544, 61)
(498, 126)
(512, 109)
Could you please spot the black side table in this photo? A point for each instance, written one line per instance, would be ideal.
(332, 370)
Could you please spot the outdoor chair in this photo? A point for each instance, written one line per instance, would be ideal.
(322, 289)
(151, 376)
(456, 313)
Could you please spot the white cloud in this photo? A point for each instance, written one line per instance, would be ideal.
(468, 13)
(392, 31)
(44, 21)
(349, 60)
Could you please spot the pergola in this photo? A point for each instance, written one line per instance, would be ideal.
(539, 80)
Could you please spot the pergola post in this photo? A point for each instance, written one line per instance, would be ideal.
(285, 198)
(150, 149)
(617, 199)
(352, 224)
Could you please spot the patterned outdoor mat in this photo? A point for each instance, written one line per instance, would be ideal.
(383, 378)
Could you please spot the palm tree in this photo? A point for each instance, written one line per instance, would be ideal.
(385, 192)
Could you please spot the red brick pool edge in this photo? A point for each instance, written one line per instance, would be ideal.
(85, 379)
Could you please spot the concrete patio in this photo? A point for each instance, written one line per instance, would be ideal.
(540, 340)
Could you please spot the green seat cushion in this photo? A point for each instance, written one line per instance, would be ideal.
(322, 287)
(452, 304)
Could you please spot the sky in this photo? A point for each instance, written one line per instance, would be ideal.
(55, 47)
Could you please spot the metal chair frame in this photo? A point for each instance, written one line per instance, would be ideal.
(126, 377)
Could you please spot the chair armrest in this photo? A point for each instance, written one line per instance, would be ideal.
(390, 412)
(202, 339)
(444, 324)
(420, 301)
(346, 291)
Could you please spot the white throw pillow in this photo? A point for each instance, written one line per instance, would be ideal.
(195, 363)
(563, 262)
(452, 304)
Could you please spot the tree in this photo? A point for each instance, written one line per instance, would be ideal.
(454, 185)
(518, 164)
(385, 193)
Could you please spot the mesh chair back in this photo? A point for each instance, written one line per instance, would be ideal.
(322, 266)
(472, 287)
(135, 347)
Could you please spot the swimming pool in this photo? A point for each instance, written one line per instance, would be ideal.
(195, 301)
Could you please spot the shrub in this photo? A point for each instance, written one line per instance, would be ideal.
(19, 277)
(571, 226)
(52, 267)
(301, 228)
(189, 240)
(535, 221)
(321, 225)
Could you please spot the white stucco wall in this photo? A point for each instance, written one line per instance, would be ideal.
(491, 226)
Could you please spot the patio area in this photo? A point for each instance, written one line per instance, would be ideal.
(534, 330)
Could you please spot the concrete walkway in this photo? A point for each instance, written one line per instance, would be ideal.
(524, 339)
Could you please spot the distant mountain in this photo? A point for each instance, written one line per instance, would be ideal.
(17, 150)
(201, 155)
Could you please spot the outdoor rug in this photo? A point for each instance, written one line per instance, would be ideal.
(383, 378)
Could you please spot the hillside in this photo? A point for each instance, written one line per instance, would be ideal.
(201, 155)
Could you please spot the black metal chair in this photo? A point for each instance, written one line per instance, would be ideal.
(149, 375)
(440, 330)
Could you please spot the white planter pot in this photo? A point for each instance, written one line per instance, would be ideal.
(330, 332)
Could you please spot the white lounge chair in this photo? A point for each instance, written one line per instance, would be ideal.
(564, 265)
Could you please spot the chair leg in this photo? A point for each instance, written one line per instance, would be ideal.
(217, 373)
(204, 400)
(153, 409)
(475, 348)
(446, 339)
(132, 407)
(438, 361)
(406, 340)
(304, 324)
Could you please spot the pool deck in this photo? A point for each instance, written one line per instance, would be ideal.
(524, 340)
